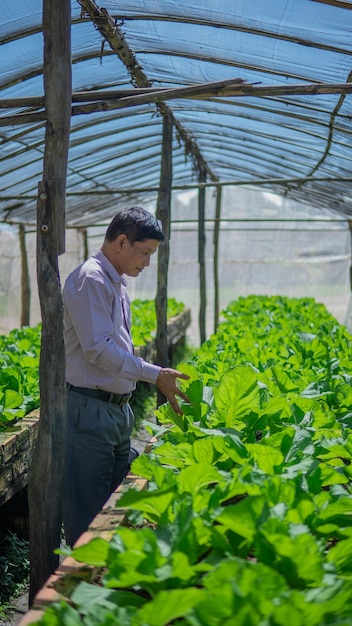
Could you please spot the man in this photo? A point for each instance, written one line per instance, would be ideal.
(101, 369)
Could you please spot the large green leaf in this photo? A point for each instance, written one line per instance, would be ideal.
(170, 605)
(196, 477)
(87, 596)
(13, 399)
(284, 382)
(237, 583)
(292, 550)
(150, 468)
(341, 555)
(267, 458)
(168, 453)
(153, 504)
(237, 394)
(243, 518)
(94, 552)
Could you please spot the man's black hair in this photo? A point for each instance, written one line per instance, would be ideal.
(137, 224)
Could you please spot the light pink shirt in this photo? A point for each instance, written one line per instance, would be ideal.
(98, 344)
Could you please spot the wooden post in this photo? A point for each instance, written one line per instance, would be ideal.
(201, 257)
(350, 227)
(25, 282)
(163, 214)
(84, 233)
(46, 470)
(216, 256)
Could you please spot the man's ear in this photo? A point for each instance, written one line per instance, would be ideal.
(121, 241)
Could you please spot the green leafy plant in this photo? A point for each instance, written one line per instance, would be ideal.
(144, 318)
(19, 384)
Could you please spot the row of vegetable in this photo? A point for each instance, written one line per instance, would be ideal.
(20, 352)
(247, 518)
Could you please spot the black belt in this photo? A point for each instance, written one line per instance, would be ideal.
(114, 398)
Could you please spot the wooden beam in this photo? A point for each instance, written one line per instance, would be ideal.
(117, 94)
(235, 88)
(336, 3)
(195, 92)
(77, 96)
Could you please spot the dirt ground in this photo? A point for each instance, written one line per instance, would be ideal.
(19, 607)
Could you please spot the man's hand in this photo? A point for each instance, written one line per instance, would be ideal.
(166, 382)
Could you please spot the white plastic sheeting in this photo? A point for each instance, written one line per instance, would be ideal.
(115, 155)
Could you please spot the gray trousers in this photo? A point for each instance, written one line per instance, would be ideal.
(96, 458)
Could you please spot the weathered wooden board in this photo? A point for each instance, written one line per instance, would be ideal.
(16, 451)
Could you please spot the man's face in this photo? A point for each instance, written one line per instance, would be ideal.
(132, 258)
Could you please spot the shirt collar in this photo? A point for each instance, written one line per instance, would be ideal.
(109, 268)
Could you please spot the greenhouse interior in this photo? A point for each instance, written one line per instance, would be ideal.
(231, 123)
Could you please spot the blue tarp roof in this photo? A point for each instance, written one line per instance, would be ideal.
(300, 144)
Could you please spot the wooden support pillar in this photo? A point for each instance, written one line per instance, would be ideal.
(348, 317)
(25, 282)
(84, 233)
(216, 256)
(350, 227)
(163, 214)
(45, 480)
(201, 257)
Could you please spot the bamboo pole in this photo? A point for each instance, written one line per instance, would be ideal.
(201, 258)
(163, 214)
(25, 282)
(45, 479)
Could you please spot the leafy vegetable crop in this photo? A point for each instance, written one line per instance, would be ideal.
(247, 519)
(144, 318)
(19, 363)
(20, 352)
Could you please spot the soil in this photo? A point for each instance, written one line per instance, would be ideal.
(17, 609)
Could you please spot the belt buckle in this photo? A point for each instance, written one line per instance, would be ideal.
(125, 398)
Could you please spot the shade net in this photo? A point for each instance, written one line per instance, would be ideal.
(289, 250)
